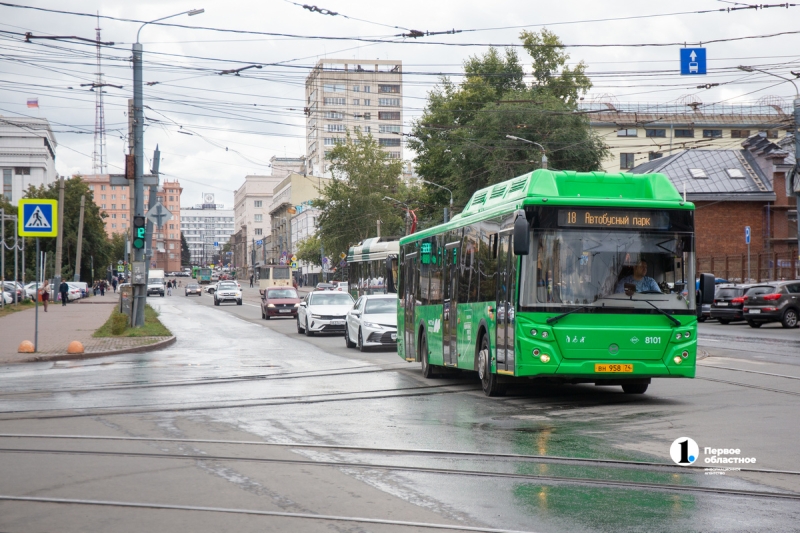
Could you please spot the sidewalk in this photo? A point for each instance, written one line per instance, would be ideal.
(62, 325)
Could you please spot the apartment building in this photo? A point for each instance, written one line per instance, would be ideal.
(114, 200)
(251, 216)
(27, 155)
(294, 191)
(637, 133)
(345, 95)
(204, 225)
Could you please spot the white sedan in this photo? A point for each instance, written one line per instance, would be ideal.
(323, 312)
(372, 322)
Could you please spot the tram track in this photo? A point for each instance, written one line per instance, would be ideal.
(751, 371)
(460, 454)
(570, 480)
(749, 386)
(243, 404)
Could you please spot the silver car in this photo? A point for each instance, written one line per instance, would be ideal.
(372, 322)
(227, 291)
(323, 312)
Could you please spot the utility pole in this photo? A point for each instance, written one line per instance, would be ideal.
(3, 258)
(796, 183)
(379, 228)
(59, 237)
(77, 276)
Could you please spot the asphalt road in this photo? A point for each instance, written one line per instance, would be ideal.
(244, 425)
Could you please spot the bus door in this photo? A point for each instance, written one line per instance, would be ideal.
(410, 282)
(450, 294)
(506, 280)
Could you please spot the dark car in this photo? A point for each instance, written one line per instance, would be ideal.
(194, 288)
(279, 301)
(728, 303)
(325, 287)
(775, 301)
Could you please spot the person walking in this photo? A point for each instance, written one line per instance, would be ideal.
(169, 288)
(102, 288)
(114, 283)
(63, 289)
(251, 280)
(45, 292)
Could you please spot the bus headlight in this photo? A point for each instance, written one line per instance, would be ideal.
(534, 332)
(544, 334)
(544, 358)
(678, 359)
(687, 335)
(678, 336)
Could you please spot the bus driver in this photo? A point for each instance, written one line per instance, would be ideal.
(640, 279)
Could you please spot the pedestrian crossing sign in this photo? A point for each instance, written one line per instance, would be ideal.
(37, 218)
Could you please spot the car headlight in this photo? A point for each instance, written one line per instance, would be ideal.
(270, 305)
(297, 304)
(372, 325)
(316, 316)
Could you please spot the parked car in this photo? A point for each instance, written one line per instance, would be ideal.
(323, 312)
(775, 301)
(279, 301)
(30, 289)
(342, 286)
(82, 285)
(705, 309)
(7, 298)
(728, 303)
(325, 287)
(11, 287)
(193, 288)
(372, 322)
(227, 291)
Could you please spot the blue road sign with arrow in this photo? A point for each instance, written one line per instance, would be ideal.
(693, 61)
(747, 234)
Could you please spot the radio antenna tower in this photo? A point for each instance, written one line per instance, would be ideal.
(99, 155)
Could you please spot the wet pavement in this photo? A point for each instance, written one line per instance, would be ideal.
(366, 440)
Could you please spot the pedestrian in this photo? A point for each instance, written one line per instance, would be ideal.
(95, 287)
(251, 280)
(114, 283)
(63, 289)
(169, 288)
(102, 288)
(45, 292)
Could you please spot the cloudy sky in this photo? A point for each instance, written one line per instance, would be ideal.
(214, 129)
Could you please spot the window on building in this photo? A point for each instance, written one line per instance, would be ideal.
(388, 102)
(389, 142)
(123, 206)
(626, 160)
(113, 226)
(367, 101)
(91, 187)
(712, 134)
(735, 173)
(258, 231)
(367, 129)
(336, 128)
(333, 87)
(102, 187)
(124, 225)
(388, 115)
(257, 203)
(334, 101)
(356, 88)
(172, 226)
(258, 218)
(740, 134)
(367, 89)
(103, 206)
(655, 132)
(7, 183)
(332, 141)
(367, 116)
(334, 115)
(113, 196)
(387, 128)
(113, 206)
(388, 88)
(631, 132)
(654, 155)
(356, 101)
(171, 198)
(684, 133)
(113, 215)
(22, 171)
(124, 215)
(698, 173)
(770, 134)
(394, 155)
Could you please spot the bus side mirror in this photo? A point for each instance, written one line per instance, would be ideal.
(706, 289)
(522, 234)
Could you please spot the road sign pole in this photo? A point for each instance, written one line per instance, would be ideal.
(36, 299)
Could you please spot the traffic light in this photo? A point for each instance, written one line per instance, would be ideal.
(139, 232)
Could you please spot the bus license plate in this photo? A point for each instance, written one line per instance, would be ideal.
(613, 368)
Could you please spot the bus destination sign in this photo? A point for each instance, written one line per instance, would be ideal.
(604, 218)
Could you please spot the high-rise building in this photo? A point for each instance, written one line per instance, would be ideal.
(27, 155)
(345, 95)
(251, 216)
(113, 200)
(207, 227)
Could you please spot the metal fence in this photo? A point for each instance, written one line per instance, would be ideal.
(760, 267)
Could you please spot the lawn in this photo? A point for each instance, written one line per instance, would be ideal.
(152, 326)
(11, 308)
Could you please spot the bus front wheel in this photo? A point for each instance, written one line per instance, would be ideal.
(489, 382)
(427, 369)
(634, 388)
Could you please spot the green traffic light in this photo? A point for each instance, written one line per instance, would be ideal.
(138, 243)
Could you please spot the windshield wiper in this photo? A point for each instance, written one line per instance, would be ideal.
(554, 319)
(672, 318)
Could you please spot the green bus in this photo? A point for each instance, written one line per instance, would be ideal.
(573, 277)
(372, 266)
(203, 276)
(195, 269)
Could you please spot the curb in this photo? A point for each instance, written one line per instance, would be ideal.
(91, 355)
(736, 339)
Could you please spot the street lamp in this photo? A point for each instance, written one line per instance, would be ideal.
(794, 177)
(544, 157)
(446, 214)
(140, 292)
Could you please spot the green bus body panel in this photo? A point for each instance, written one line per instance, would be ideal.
(647, 341)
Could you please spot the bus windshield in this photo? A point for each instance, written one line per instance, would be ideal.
(607, 268)
(281, 273)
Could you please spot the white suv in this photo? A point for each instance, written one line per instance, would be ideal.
(227, 291)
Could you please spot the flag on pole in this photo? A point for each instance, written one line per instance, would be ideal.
(33, 102)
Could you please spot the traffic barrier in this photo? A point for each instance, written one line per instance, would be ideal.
(25, 347)
(75, 347)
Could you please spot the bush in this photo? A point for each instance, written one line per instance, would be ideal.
(119, 321)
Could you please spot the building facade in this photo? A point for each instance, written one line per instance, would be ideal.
(207, 227)
(290, 194)
(27, 155)
(113, 200)
(344, 95)
(303, 226)
(637, 133)
(166, 244)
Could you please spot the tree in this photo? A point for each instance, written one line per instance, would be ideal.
(117, 248)
(353, 202)
(460, 140)
(309, 250)
(186, 254)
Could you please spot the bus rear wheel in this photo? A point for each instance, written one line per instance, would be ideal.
(489, 382)
(635, 388)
